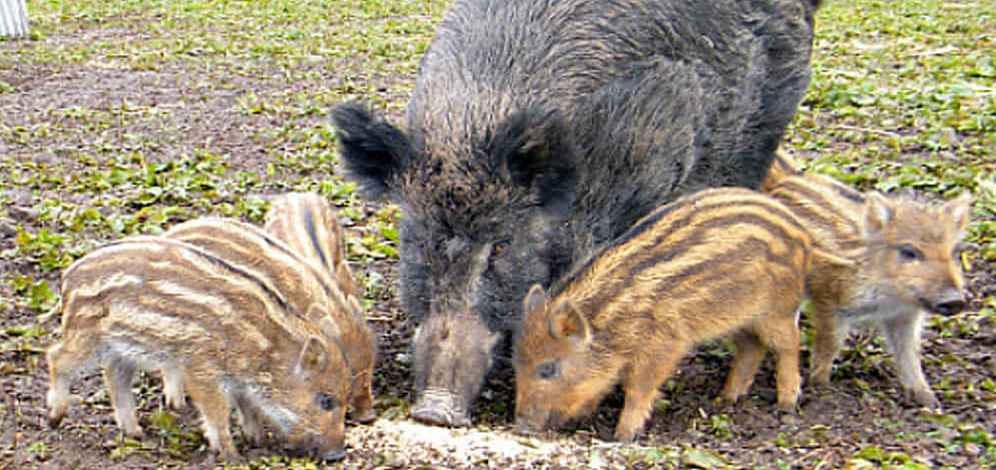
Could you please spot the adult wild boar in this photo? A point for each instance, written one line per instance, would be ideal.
(540, 129)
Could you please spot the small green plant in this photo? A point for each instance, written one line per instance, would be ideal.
(38, 450)
(124, 446)
(719, 425)
(39, 294)
(175, 438)
(45, 249)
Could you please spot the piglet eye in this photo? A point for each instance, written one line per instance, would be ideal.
(326, 401)
(908, 253)
(549, 370)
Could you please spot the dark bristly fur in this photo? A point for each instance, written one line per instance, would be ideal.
(214, 328)
(312, 292)
(719, 262)
(902, 261)
(539, 130)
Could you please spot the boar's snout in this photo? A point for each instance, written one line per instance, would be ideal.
(441, 408)
(948, 303)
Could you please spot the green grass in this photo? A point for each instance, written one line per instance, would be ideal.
(904, 95)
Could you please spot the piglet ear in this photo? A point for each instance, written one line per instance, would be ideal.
(535, 300)
(878, 213)
(327, 325)
(960, 209)
(355, 307)
(532, 150)
(567, 322)
(373, 152)
(314, 358)
(344, 275)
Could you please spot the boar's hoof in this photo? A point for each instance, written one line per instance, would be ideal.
(440, 417)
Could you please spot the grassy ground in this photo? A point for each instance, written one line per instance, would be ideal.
(122, 118)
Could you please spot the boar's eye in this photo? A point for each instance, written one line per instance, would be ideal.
(326, 401)
(548, 370)
(909, 253)
(499, 247)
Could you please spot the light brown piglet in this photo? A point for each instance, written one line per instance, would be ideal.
(149, 303)
(902, 262)
(308, 289)
(307, 224)
(718, 262)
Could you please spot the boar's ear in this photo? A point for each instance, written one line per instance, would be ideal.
(960, 209)
(532, 150)
(314, 358)
(878, 213)
(373, 152)
(535, 299)
(567, 322)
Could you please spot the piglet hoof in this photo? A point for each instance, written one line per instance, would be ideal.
(787, 408)
(54, 419)
(818, 379)
(624, 438)
(226, 458)
(924, 398)
(787, 416)
(725, 401)
(176, 402)
(624, 435)
(58, 410)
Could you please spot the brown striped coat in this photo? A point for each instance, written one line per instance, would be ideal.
(307, 224)
(308, 290)
(149, 303)
(718, 262)
(900, 261)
